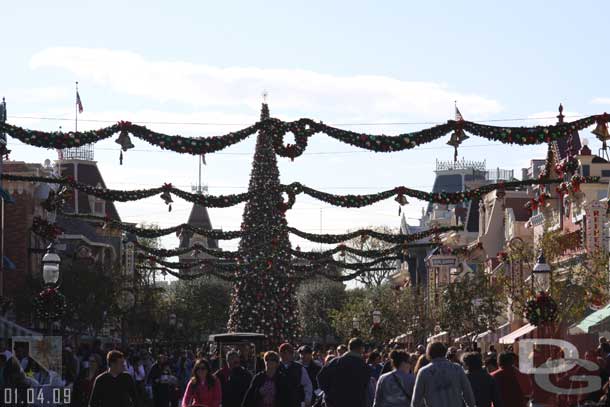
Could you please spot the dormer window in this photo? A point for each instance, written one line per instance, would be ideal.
(97, 205)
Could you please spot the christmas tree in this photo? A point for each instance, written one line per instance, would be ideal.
(264, 295)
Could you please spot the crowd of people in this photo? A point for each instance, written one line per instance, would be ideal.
(351, 375)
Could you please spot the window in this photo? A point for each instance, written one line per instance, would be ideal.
(602, 194)
(97, 206)
(585, 170)
(605, 173)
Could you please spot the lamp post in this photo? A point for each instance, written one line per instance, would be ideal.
(50, 274)
(125, 302)
(355, 327)
(376, 328)
(541, 273)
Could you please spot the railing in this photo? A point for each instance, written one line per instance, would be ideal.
(499, 175)
(77, 153)
(460, 165)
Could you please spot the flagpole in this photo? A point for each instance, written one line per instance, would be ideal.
(76, 109)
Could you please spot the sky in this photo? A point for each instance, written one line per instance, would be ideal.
(199, 68)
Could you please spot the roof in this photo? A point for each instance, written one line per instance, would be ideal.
(594, 319)
(473, 216)
(446, 183)
(522, 214)
(599, 160)
(566, 145)
(88, 173)
(200, 218)
(517, 334)
(236, 337)
(73, 226)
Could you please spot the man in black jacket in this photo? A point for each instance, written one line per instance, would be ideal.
(299, 384)
(234, 380)
(311, 366)
(114, 388)
(345, 380)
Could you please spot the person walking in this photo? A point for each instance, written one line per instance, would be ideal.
(395, 389)
(163, 381)
(90, 370)
(511, 385)
(234, 380)
(203, 389)
(268, 388)
(484, 386)
(300, 388)
(441, 382)
(345, 380)
(114, 388)
(310, 364)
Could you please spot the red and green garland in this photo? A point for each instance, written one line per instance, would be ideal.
(541, 310)
(50, 304)
(46, 230)
(302, 130)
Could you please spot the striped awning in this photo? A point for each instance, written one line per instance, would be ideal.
(439, 337)
(524, 331)
(493, 336)
(9, 329)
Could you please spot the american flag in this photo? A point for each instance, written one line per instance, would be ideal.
(458, 115)
(79, 103)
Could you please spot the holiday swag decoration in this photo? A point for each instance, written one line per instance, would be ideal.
(46, 230)
(50, 304)
(263, 297)
(541, 310)
(303, 129)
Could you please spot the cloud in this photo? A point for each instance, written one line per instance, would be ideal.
(291, 90)
(601, 101)
(36, 95)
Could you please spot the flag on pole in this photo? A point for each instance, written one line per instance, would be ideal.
(458, 115)
(79, 103)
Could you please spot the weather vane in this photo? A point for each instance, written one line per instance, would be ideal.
(265, 94)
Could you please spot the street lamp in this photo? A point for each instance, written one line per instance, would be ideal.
(125, 302)
(376, 318)
(542, 273)
(172, 320)
(355, 327)
(50, 267)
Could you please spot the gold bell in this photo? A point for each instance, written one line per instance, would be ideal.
(124, 140)
(601, 131)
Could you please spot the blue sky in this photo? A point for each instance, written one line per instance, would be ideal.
(339, 61)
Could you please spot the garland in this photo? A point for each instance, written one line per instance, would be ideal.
(210, 201)
(46, 230)
(190, 145)
(366, 233)
(154, 233)
(50, 304)
(357, 201)
(302, 129)
(222, 235)
(540, 310)
(347, 201)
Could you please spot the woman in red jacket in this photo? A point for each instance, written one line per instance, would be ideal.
(203, 389)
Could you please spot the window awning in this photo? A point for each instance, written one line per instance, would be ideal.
(439, 337)
(591, 320)
(6, 197)
(9, 329)
(517, 334)
(493, 336)
(7, 264)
